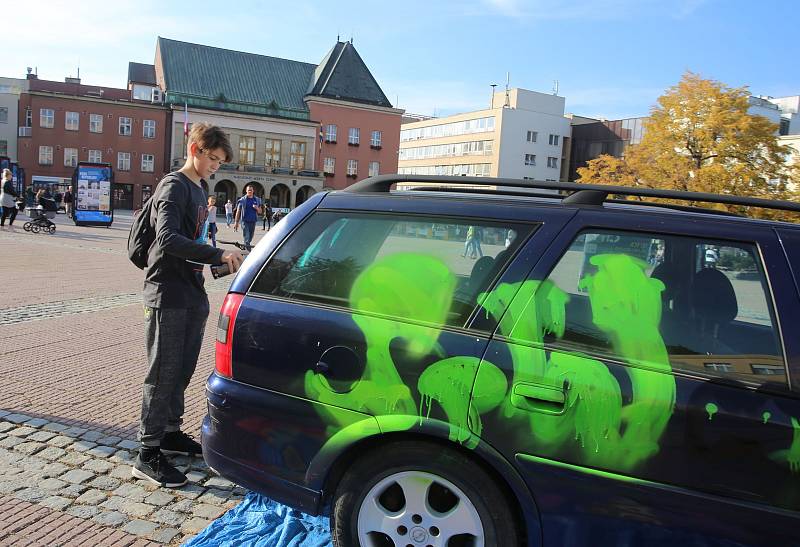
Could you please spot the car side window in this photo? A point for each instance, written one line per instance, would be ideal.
(706, 301)
(409, 267)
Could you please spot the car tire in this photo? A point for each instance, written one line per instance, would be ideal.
(455, 498)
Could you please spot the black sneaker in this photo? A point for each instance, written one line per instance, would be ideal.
(157, 469)
(178, 442)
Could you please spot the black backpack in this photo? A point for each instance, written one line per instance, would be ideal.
(142, 234)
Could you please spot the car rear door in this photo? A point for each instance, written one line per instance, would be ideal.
(649, 398)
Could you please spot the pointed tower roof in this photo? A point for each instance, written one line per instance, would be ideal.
(343, 75)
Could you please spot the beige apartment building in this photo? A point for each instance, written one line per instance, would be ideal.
(522, 135)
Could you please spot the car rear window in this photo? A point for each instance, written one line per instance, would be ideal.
(410, 267)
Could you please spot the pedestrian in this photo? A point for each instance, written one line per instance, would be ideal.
(267, 217)
(68, 202)
(7, 200)
(229, 213)
(248, 209)
(212, 220)
(176, 304)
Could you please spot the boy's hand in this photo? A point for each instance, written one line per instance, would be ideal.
(233, 259)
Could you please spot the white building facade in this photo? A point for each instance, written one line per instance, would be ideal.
(523, 135)
(10, 90)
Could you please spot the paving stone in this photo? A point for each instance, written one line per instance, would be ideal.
(58, 503)
(83, 511)
(36, 422)
(127, 444)
(83, 446)
(105, 483)
(98, 466)
(196, 476)
(77, 476)
(110, 518)
(74, 458)
(51, 484)
(31, 495)
(184, 506)
(4, 413)
(113, 503)
(60, 441)
(55, 427)
(22, 431)
(194, 525)
(219, 482)
(207, 511)
(191, 491)
(122, 472)
(131, 491)
(102, 451)
(123, 456)
(52, 453)
(109, 440)
(17, 418)
(30, 448)
(165, 535)
(92, 497)
(170, 518)
(75, 431)
(41, 436)
(92, 436)
(32, 463)
(73, 490)
(6, 426)
(140, 527)
(11, 486)
(159, 498)
(54, 469)
(214, 497)
(136, 508)
(10, 442)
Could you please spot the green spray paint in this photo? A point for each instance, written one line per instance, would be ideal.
(711, 409)
(766, 416)
(793, 457)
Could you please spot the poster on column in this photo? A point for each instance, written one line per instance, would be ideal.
(91, 186)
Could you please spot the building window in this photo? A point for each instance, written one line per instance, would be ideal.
(272, 157)
(95, 123)
(3, 115)
(532, 136)
(148, 160)
(28, 117)
(352, 168)
(247, 150)
(469, 148)
(376, 139)
(142, 92)
(125, 125)
(329, 164)
(530, 159)
(354, 136)
(149, 129)
(330, 133)
(554, 139)
(123, 161)
(3, 147)
(479, 125)
(95, 156)
(374, 168)
(45, 155)
(72, 121)
(47, 117)
(552, 162)
(297, 155)
(70, 157)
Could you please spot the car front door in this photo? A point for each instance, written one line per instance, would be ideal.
(649, 397)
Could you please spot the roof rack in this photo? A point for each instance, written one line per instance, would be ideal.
(580, 194)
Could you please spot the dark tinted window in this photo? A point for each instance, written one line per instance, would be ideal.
(417, 268)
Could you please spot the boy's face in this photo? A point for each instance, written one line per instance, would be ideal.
(206, 162)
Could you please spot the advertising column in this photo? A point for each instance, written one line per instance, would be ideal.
(91, 186)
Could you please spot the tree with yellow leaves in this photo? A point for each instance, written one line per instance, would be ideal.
(700, 137)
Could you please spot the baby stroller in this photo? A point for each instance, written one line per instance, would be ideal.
(40, 217)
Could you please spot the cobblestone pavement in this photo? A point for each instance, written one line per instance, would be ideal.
(72, 360)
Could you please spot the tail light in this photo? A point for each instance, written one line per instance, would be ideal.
(227, 318)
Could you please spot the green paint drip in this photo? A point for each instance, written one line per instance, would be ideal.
(793, 456)
(766, 416)
(711, 409)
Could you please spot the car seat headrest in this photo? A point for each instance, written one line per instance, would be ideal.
(713, 297)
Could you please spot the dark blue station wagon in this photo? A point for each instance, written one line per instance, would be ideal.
(476, 365)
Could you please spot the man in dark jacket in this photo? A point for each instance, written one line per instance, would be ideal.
(176, 304)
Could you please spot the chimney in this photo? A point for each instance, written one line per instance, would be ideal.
(30, 75)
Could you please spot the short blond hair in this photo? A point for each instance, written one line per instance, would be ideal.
(7, 175)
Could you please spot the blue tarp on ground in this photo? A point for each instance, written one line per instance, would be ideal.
(261, 522)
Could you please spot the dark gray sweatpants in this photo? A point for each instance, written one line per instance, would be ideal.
(173, 337)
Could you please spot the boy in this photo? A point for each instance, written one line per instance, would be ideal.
(248, 209)
(176, 304)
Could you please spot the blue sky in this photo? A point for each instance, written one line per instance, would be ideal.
(611, 58)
